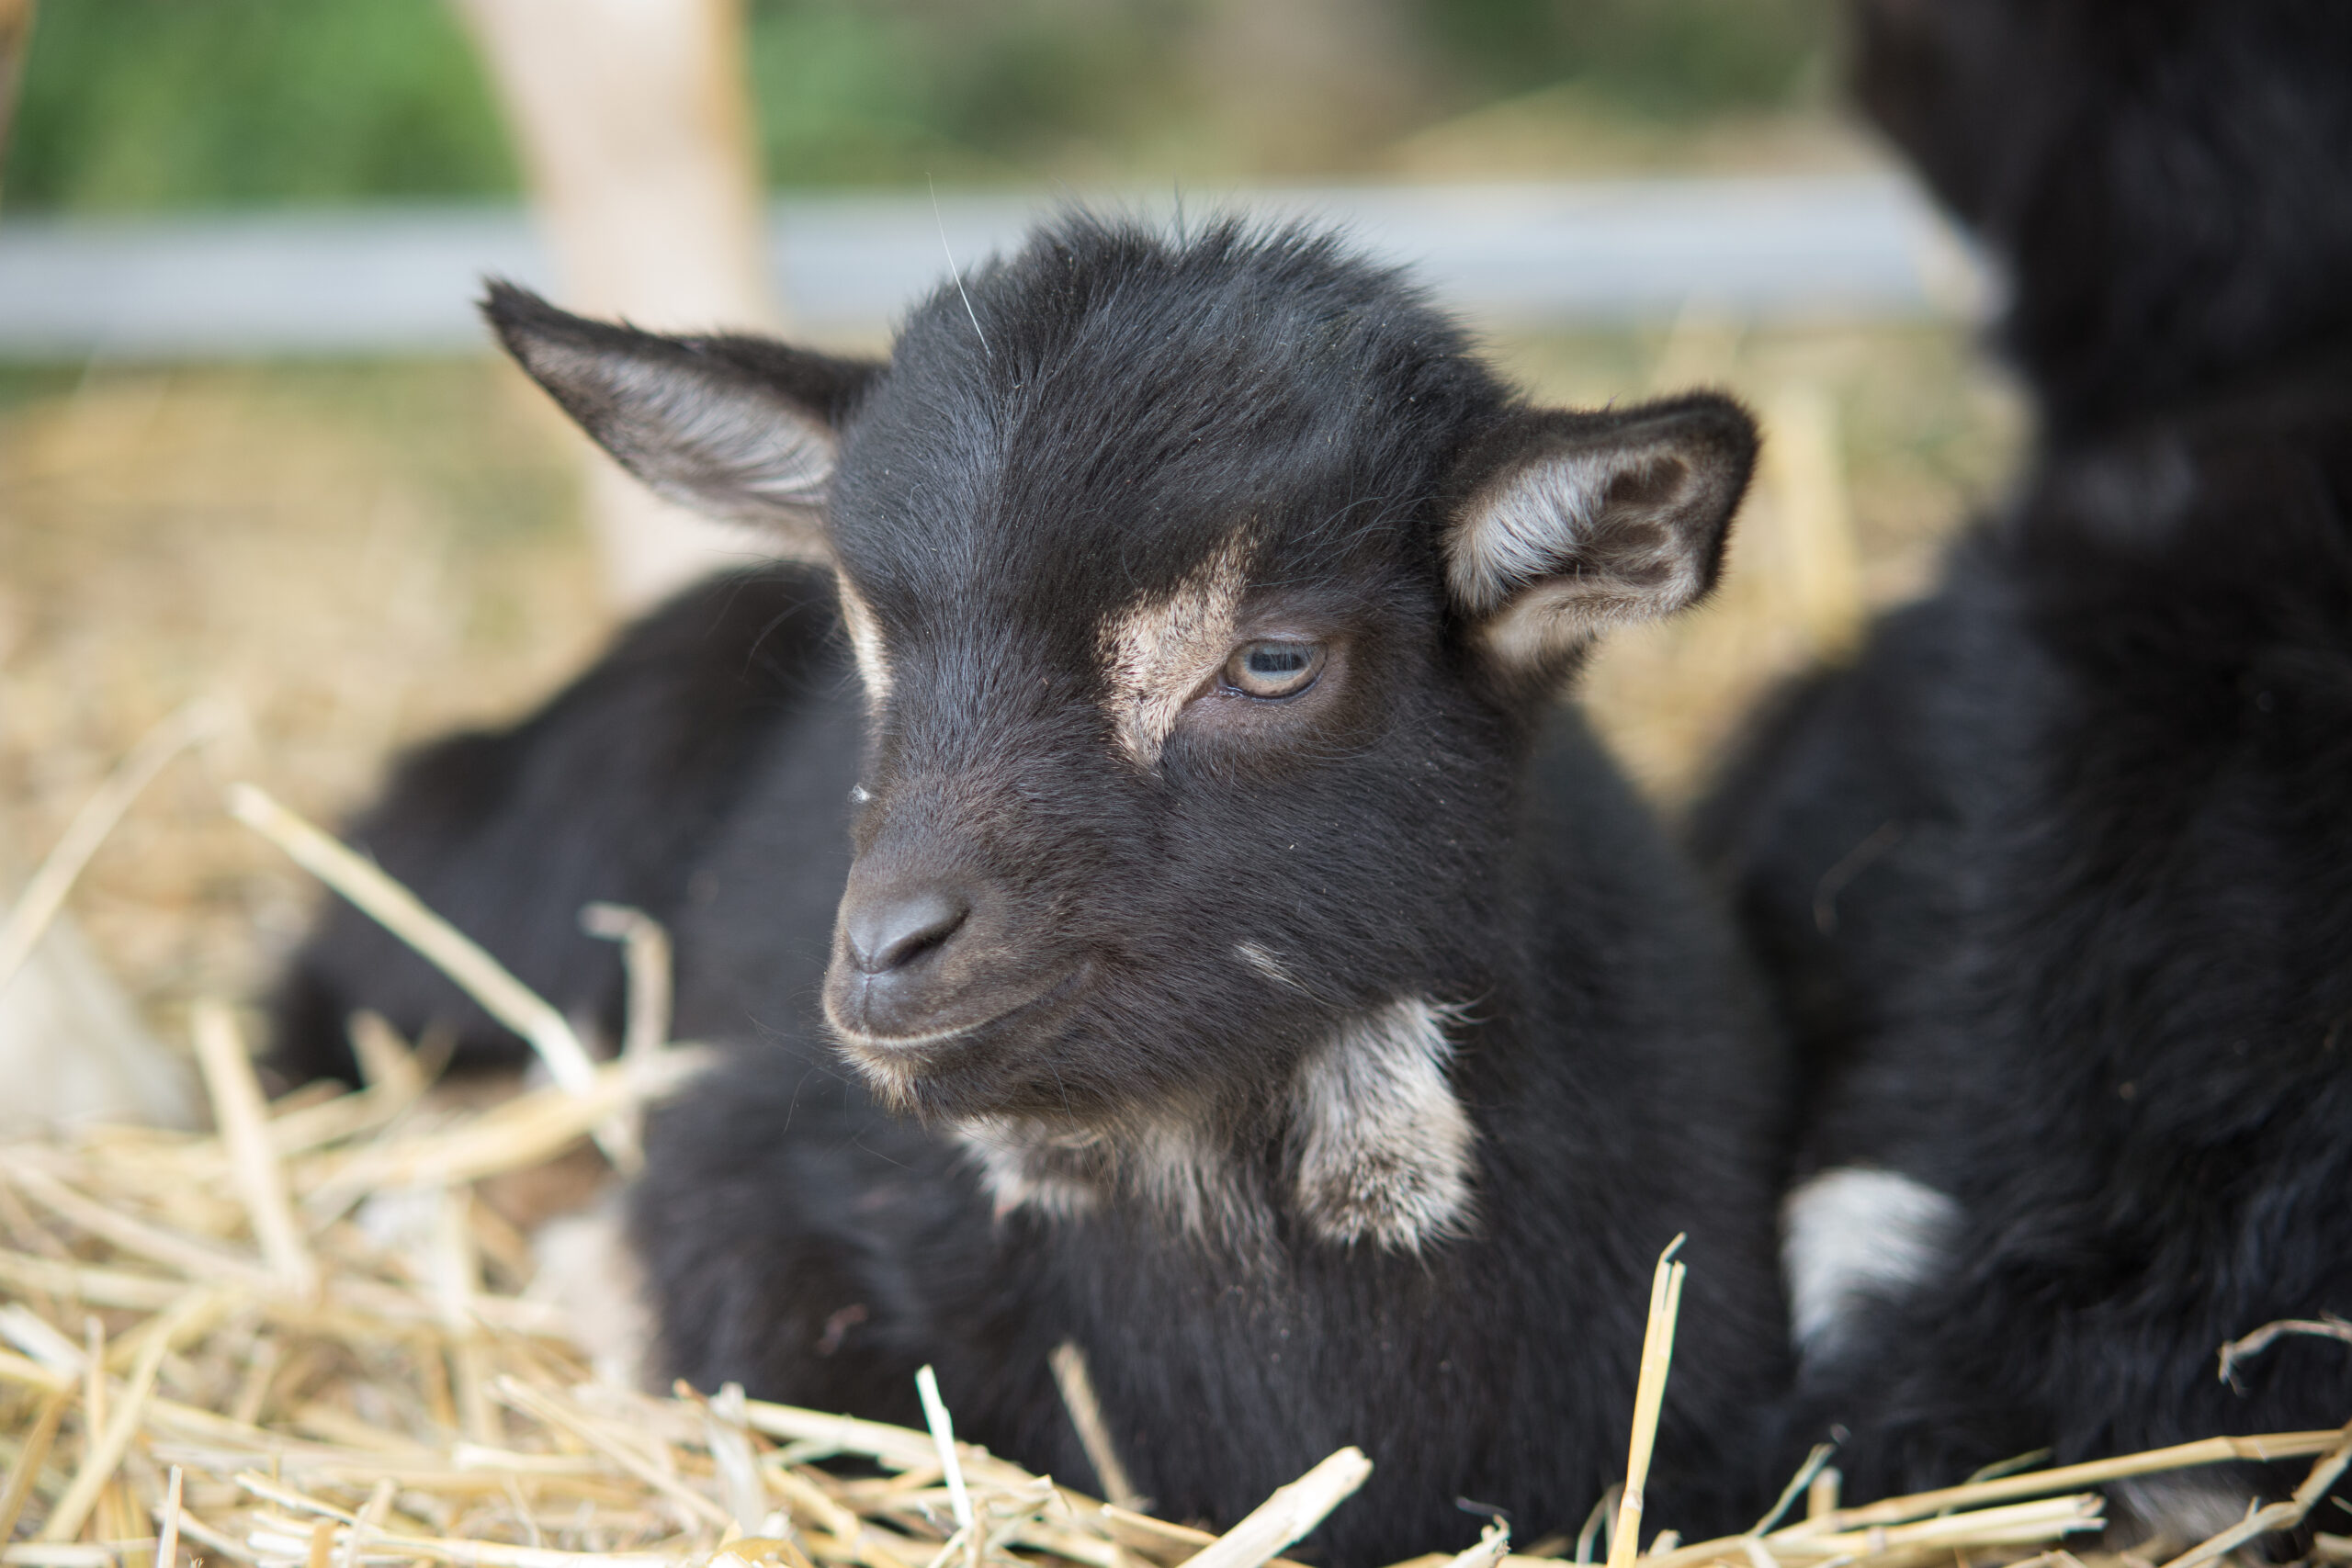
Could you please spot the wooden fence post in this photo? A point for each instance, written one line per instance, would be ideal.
(633, 120)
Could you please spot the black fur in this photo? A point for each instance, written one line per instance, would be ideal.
(2162, 182)
(2057, 881)
(609, 792)
(1092, 431)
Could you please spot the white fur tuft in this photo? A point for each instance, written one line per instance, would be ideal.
(587, 1267)
(1384, 1148)
(1018, 1167)
(1269, 963)
(1849, 1235)
(1168, 1162)
(1384, 1151)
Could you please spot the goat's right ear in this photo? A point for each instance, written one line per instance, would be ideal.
(1572, 522)
(740, 428)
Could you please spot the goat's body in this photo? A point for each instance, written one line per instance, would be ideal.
(803, 1240)
(612, 791)
(2056, 883)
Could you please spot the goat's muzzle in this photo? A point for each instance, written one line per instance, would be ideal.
(921, 960)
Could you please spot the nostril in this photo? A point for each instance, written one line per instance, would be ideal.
(890, 934)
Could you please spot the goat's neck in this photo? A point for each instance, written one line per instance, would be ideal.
(1371, 1147)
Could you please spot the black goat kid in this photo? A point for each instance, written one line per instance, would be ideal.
(2057, 880)
(1241, 968)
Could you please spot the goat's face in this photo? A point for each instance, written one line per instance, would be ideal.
(1201, 595)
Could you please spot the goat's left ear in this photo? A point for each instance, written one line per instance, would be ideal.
(1573, 522)
(743, 429)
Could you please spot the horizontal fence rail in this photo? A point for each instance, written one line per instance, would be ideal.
(402, 280)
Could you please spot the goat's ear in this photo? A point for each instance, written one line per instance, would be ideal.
(740, 428)
(1573, 522)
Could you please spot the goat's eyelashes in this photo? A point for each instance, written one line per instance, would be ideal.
(1274, 668)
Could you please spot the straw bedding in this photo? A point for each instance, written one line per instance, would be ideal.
(306, 1337)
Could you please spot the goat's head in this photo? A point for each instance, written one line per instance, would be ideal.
(1204, 592)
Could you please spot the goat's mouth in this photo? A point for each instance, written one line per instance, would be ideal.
(897, 1063)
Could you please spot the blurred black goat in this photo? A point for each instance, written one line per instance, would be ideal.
(1243, 968)
(2057, 881)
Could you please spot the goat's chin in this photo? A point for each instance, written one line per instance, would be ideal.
(965, 1068)
(957, 1087)
(970, 1016)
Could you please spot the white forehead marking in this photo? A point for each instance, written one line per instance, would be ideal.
(1384, 1148)
(866, 640)
(1157, 652)
(1851, 1234)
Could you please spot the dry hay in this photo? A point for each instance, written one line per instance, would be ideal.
(303, 1339)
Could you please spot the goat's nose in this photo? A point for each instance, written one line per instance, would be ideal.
(889, 932)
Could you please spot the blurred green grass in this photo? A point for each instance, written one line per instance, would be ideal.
(136, 105)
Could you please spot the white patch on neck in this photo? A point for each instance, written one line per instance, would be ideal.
(1168, 1162)
(1851, 1235)
(1384, 1148)
(1019, 1167)
(866, 641)
(1157, 653)
(1185, 1174)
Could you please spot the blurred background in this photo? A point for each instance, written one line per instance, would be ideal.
(253, 447)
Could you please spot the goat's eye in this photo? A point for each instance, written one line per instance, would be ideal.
(1272, 669)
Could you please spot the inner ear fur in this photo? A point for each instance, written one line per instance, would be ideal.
(1573, 522)
(735, 427)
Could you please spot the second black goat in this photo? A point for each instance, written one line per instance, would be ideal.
(2056, 880)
